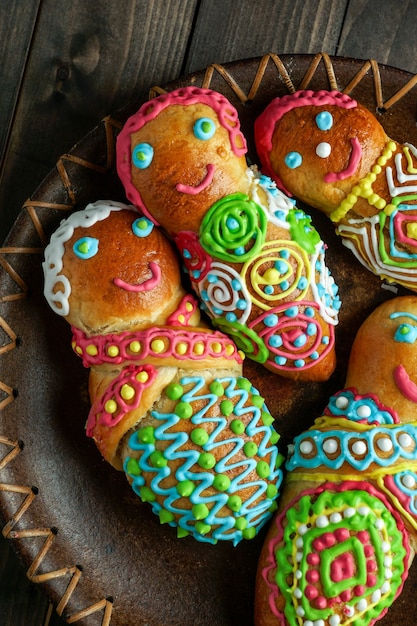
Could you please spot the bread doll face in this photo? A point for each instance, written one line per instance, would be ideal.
(119, 271)
(384, 356)
(182, 161)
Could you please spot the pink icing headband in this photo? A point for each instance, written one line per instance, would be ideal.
(278, 107)
(226, 112)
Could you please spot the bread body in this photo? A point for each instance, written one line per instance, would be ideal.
(341, 544)
(332, 153)
(169, 403)
(255, 261)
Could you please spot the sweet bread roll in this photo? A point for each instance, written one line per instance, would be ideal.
(340, 546)
(169, 403)
(254, 259)
(330, 152)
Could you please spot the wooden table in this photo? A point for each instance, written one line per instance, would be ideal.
(64, 65)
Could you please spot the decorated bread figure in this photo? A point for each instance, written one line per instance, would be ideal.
(340, 546)
(331, 152)
(254, 259)
(169, 403)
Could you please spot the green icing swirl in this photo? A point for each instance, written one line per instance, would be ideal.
(302, 231)
(234, 228)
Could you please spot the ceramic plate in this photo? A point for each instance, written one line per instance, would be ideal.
(98, 552)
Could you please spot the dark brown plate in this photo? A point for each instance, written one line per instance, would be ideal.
(99, 553)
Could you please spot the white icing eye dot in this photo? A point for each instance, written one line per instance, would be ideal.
(324, 120)
(142, 155)
(306, 447)
(293, 160)
(359, 448)
(323, 149)
(86, 247)
(204, 128)
(142, 227)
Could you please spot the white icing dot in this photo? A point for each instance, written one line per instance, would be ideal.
(330, 446)
(379, 524)
(408, 481)
(376, 596)
(384, 444)
(299, 542)
(302, 529)
(405, 440)
(298, 574)
(386, 587)
(300, 611)
(306, 447)
(385, 546)
(308, 623)
(298, 593)
(335, 518)
(362, 604)
(318, 622)
(342, 402)
(323, 149)
(349, 512)
(388, 573)
(364, 411)
(298, 556)
(334, 620)
(290, 448)
(364, 510)
(388, 561)
(359, 448)
(349, 610)
(322, 521)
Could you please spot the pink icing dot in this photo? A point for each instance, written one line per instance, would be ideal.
(346, 595)
(321, 602)
(368, 550)
(341, 534)
(371, 566)
(371, 580)
(311, 592)
(313, 558)
(312, 576)
(363, 536)
(359, 590)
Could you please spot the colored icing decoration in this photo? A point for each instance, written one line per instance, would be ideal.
(293, 160)
(204, 128)
(338, 550)
(216, 498)
(142, 155)
(86, 247)
(351, 557)
(246, 247)
(201, 449)
(374, 211)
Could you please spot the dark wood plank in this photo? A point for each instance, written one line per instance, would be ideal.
(21, 602)
(87, 59)
(384, 31)
(246, 29)
(16, 24)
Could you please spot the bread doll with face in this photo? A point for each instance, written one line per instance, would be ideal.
(254, 259)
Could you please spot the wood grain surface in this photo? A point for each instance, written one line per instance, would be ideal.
(65, 65)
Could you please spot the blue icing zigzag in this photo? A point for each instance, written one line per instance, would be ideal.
(197, 500)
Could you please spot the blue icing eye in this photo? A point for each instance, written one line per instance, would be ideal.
(406, 333)
(324, 120)
(204, 128)
(293, 160)
(142, 227)
(142, 155)
(86, 247)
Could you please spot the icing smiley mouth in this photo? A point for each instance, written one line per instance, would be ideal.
(355, 157)
(194, 190)
(405, 385)
(146, 285)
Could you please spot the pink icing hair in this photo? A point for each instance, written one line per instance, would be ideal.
(278, 107)
(226, 112)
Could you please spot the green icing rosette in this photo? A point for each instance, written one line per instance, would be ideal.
(234, 228)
